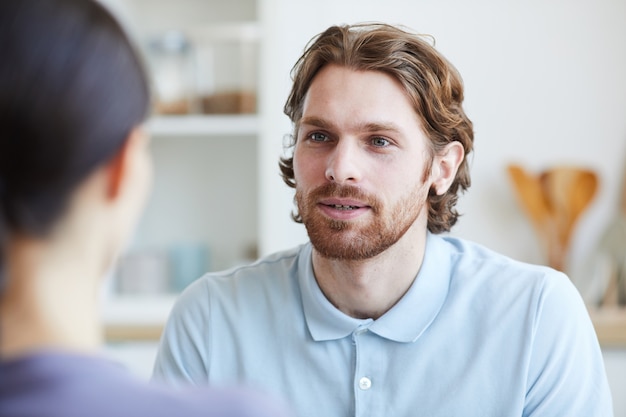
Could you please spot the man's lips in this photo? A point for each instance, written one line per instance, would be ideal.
(343, 209)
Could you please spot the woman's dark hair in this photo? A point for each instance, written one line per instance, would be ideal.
(433, 85)
(72, 87)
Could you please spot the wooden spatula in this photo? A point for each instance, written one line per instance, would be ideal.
(554, 200)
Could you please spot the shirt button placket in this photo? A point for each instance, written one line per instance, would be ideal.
(362, 376)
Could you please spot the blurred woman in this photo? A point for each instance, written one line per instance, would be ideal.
(75, 170)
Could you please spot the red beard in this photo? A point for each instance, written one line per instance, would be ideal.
(357, 239)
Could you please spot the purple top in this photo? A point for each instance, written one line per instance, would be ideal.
(54, 384)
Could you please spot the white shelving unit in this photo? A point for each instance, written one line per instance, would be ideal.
(206, 165)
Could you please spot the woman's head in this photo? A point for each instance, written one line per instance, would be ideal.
(433, 85)
(72, 89)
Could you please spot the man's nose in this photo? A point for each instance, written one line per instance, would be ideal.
(343, 163)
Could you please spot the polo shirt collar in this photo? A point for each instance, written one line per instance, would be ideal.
(404, 322)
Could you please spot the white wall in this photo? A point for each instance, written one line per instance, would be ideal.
(545, 85)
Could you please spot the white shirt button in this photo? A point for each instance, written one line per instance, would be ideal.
(365, 383)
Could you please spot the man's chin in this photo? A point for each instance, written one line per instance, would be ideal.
(347, 251)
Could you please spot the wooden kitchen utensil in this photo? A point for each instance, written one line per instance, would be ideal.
(568, 192)
(531, 197)
(554, 200)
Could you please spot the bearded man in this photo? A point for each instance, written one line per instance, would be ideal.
(379, 314)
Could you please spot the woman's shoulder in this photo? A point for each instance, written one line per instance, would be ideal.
(71, 385)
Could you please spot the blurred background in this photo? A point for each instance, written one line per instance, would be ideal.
(545, 88)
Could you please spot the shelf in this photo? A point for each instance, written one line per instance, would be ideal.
(610, 325)
(204, 125)
(136, 317)
(132, 333)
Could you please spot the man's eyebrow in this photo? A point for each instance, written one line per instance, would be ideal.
(380, 127)
(315, 121)
(368, 127)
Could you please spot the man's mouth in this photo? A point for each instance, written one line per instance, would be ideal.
(341, 207)
(347, 206)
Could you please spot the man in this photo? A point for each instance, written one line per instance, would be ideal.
(379, 315)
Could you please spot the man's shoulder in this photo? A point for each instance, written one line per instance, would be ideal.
(270, 267)
(272, 275)
(473, 252)
(506, 284)
(472, 260)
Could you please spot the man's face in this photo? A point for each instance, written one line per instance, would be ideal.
(361, 164)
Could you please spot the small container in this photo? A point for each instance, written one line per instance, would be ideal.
(227, 67)
(188, 262)
(170, 57)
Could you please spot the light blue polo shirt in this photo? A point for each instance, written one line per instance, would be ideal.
(477, 334)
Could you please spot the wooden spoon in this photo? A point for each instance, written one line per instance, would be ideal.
(532, 199)
(568, 192)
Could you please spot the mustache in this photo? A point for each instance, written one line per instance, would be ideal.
(344, 191)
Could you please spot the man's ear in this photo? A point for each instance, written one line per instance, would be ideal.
(118, 166)
(446, 165)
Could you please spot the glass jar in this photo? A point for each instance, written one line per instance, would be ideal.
(227, 60)
(171, 63)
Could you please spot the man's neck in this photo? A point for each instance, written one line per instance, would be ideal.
(369, 288)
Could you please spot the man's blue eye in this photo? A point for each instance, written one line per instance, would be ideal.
(381, 142)
(317, 137)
